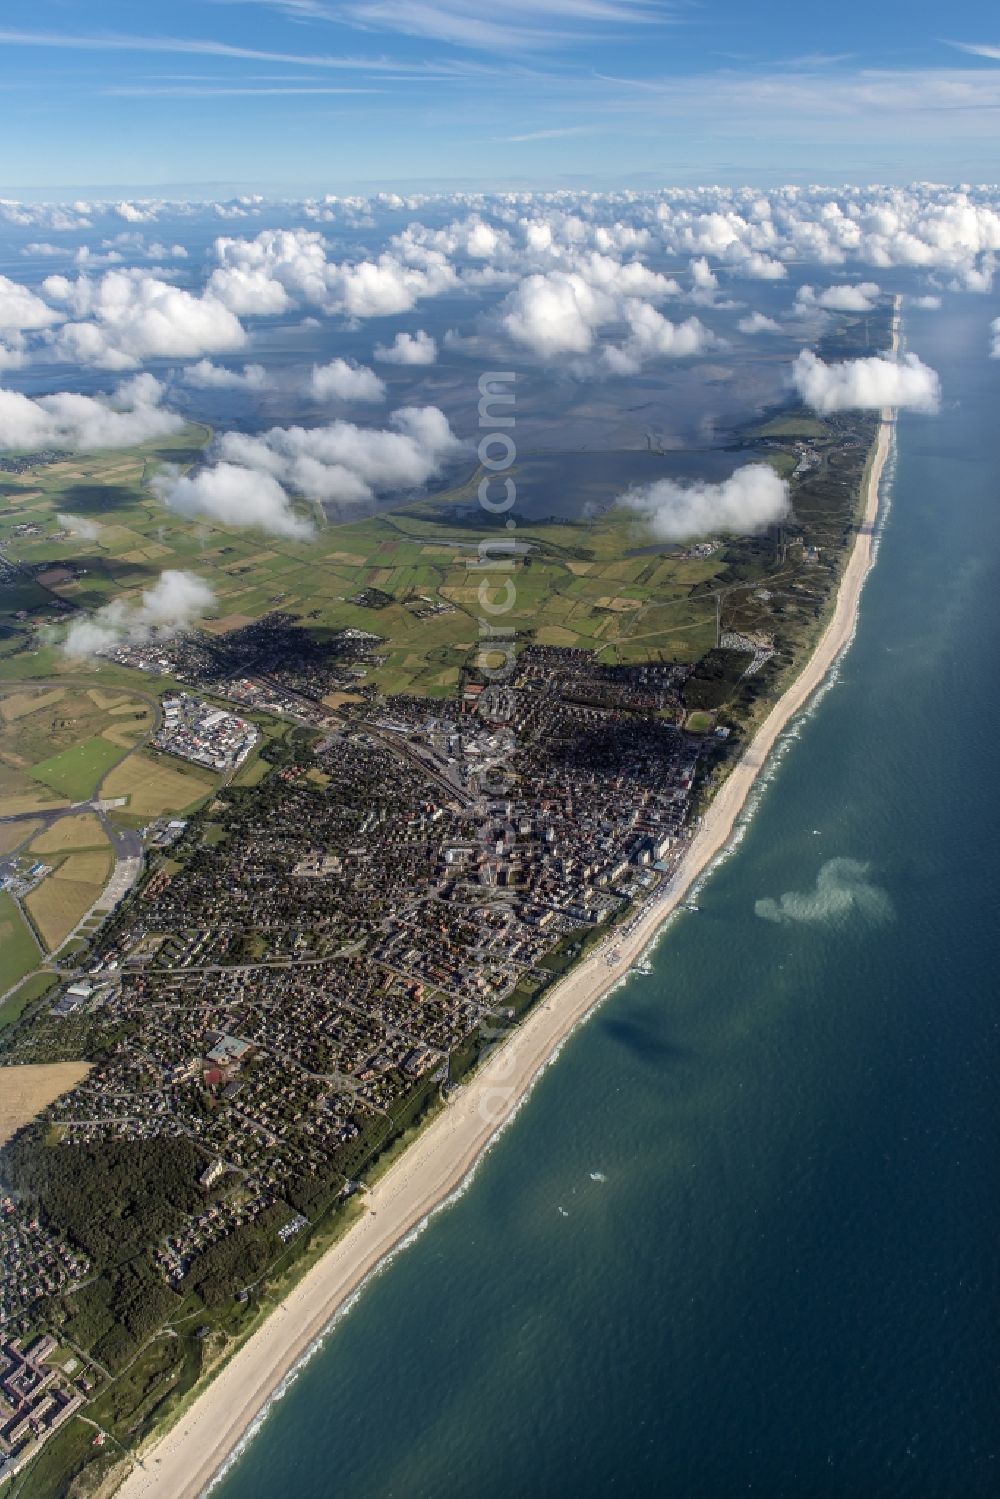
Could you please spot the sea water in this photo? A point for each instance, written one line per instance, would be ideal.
(742, 1238)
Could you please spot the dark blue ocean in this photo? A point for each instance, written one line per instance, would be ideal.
(743, 1237)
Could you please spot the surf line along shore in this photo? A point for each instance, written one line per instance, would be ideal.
(182, 1462)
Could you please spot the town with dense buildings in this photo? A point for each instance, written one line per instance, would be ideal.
(312, 945)
(310, 962)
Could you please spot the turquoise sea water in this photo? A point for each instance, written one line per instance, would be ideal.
(742, 1237)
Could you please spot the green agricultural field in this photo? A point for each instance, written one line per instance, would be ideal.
(575, 586)
(77, 772)
(599, 584)
(57, 742)
(795, 424)
(25, 994)
(18, 950)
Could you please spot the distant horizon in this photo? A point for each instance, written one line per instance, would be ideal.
(208, 190)
(212, 191)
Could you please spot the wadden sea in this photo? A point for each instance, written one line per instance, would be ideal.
(741, 1238)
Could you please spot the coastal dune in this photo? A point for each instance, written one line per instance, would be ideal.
(182, 1463)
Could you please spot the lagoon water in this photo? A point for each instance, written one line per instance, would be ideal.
(742, 1236)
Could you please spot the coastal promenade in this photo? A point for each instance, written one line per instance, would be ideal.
(182, 1463)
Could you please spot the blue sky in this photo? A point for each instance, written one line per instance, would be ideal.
(341, 95)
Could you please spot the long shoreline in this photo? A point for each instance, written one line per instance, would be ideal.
(183, 1462)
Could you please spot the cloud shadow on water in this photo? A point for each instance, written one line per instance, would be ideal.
(642, 1040)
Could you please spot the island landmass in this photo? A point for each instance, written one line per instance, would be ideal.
(301, 908)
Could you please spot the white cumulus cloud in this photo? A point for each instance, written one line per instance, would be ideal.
(208, 376)
(758, 322)
(341, 380)
(171, 604)
(408, 348)
(249, 291)
(133, 414)
(556, 313)
(21, 309)
(651, 337)
(560, 312)
(234, 496)
(750, 500)
(859, 298)
(134, 213)
(282, 267)
(703, 278)
(866, 384)
(78, 525)
(128, 316)
(345, 463)
(762, 267)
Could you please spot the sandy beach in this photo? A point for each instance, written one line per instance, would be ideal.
(182, 1463)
